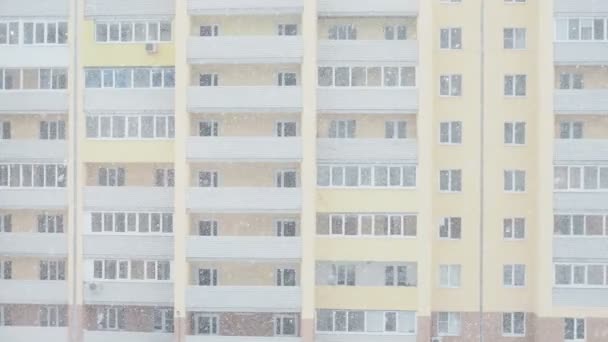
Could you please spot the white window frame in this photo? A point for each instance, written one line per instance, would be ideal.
(281, 78)
(451, 43)
(514, 176)
(452, 81)
(565, 21)
(214, 79)
(215, 30)
(402, 72)
(128, 263)
(452, 225)
(452, 178)
(450, 276)
(395, 129)
(510, 133)
(517, 42)
(371, 171)
(128, 120)
(279, 324)
(53, 268)
(341, 274)
(213, 227)
(281, 226)
(105, 73)
(582, 178)
(510, 268)
(214, 322)
(214, 276)
(166, 318)
(46, 23)
(585, 229)
(575, 330)
(280, 128)
(214, 178)
(341, 129)
(343, 32)
(511, 328)
(282, 29)
(512, 223)
(281, 175)
(573, 283)
(281, 276)
(371, 218)
(447, 130)
(4, 267)
(449, 320)
(57, 181)
(515, 79)
(50, 223)
(139, 219)
(6, 24)
(51, 316)
(103, 318)
(132, 23)
(569, 128)
(164, 177)
(6, 223)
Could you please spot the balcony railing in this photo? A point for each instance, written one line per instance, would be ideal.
(244, 247)
(28, 56)
(243, 298)
(581, 101)
(125, 100)
(367, 8)
(35, 8)
(580, 248)
(361, 51)
(580, 201)
(34, 101)
(366, 150)
(128, 292)
(274, 149)
(44, 151)
(580, 150)
(223, 7)
(33, 198)
(251, 50)
(379, 100)
(248, 99)
(581, 53)
(128, 246)
(15, 291)
(579, 7)
(34, 244)
(241, 199)
(127, 336)
(33, 333)
(128, 198)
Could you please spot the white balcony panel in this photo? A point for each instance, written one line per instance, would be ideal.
(237, 199)
(46, 151)
(33, 291)
(251, 7)
(244, 247)
(583, 101)
(128, 293)
(28, 56)
(581, 297)
(581, 151)
(34, 244)
(128, 198)
(244, 99)
(250, 50)
(361, 337)
(33, 102)
(353, 100)
(367, 8)
(33, 198)
(128, 100)
(580, 7)
(202, 338)
(404, 52)
(271, 149)
(34, 8)
(367, 150)
(580, 201)
(583, 249)
(243, 298)
(33, 334)
(132, 8)
(128, 246)
(126, 336)
(581, 53)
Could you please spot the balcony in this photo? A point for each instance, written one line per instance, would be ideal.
(34, 244)
(353, 100)
(361, 51)
(44, 151)
(580, 248)
(580, 151)
(367, 150)
(33, 101)
(144, 100)
(580, 297)
(250, 199)
(126, 336)
(357, 297)
(363, 337)
(583, 101)
(120, 8)
(364, 8)
(236, 7)
(35, 8)
(33, 198)
(243, 298)
(581, 53)
(27, 56)
(244, 99)
(128, 246)
(128, 198)
(581, 201)
(212, 338)
(579, 7)
(264, 149)
(246, 50)
(128, 293)
(244, 248)
(33, 292)
(33, 333)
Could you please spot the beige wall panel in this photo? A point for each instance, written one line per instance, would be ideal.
(251, 25)
(244, 74)
(242, 174)
(243, 125)
(368, 28)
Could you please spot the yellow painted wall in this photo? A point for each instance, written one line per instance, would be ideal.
(127, 151)
(366, 297)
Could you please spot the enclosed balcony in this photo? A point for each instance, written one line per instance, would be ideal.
(579, 7)
(33, 333)
(580, 248)
(35, 8)
(28, 56)
(581, 101)
(244, 99)
(271, 149)
(580, 201)
(45, 151)
(245, 49)
(581, 53)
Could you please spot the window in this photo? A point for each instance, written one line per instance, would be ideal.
(450, 85)
(208, 179)
(32, 175)
(207, 228)
(52, 130)
(361, 76)
(205, 324)
(342, 128)
(285, 325)
(580, 29)
(514, 228)
(208, 80)
(130, 222)
(286, 227)
(209, 30)
(52, 270)
(162, 77)
(164, 177)
(450, 38)
(5, 319)
(30, 78)
(107, 176)
(208, 129)
(5, 129)
(450, 180)
(6, 269)
(514, 324)
(6, 223)
(580, 225)
(515, 85)
(571, 130)
(574, 329)
(286, 179)
(52, 316)
(342, 32)
(449, 276)
(397, 225)
(48, 223)
(286, 277)
(581, 275)
(450, 132)
(131, 127)
(287, 29)
(353, 321)
(514, 275)
(514, 38)
(395, 32)
(587, 178)
(286, 79)
(396, 276)
(366, 176)
(137, 31)
(286, 129)
(515, 133)
(163, 320)
(515, 180)
(571, 81)
(450, 228)
(52, 32)
(9, 32)
(110, 318)
(448, 323)
(131, 269)
(395, 129)
(207, 277)
(344, 275)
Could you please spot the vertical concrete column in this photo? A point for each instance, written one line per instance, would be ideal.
(308, 167)
(181, 32)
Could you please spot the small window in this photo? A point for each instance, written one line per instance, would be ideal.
(208, 80)
(342, 128)
(164, 177)
(450, 85)
(207, 277)
(208, 179)
(515, 85)
(286, 277)
(451, 228)
(571, 130)
(344, 275)
(450, 180)
(571, 81)
(111, 176)
(286, 129)
(286, 227)
(449, 276)
(515, 180)
(514, 275)
(208, 129)
(342, 32)
(287, 29)
(448, 323)
(5, 129)
(451, 38)
(285, 325)
(209, 30)
(514, 324)
(514, 38)
(515, 133)
(286, 179)
(163, 320)
(205, 324)
(286, 79)
(395, 32)
(574, 329)
(450, 132)
(395, 129)
(514, 228)
(6, 223)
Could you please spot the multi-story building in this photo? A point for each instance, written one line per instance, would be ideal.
(295, 170)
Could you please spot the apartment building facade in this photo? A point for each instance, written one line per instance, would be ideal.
(289, 170)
